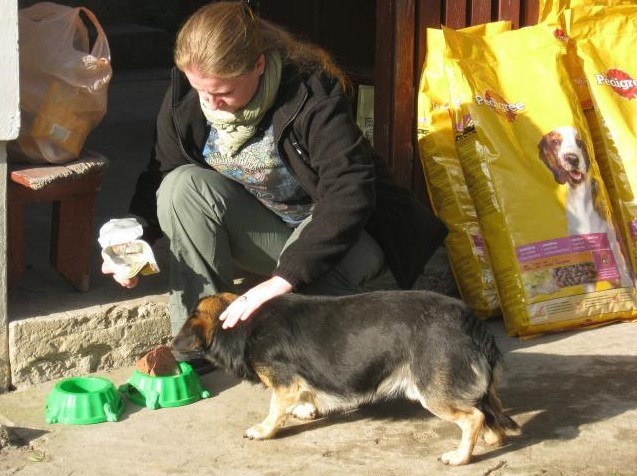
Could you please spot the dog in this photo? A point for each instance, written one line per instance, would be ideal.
(565, 154)
(325, 354)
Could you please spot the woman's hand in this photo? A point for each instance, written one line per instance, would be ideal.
(128, 283)
(242, 308)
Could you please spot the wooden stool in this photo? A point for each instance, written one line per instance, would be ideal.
(72, 189)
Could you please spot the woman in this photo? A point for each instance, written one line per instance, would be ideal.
(265, 169)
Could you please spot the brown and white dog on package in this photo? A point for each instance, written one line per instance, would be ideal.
(565, 154)
(326, 354)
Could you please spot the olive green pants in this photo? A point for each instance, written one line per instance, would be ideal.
(215, 226)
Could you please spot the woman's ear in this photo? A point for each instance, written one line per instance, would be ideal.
(260, 65)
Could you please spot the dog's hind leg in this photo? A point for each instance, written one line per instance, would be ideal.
(469, 419)
(282, 401)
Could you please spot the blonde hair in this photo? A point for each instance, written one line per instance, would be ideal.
(225, 39)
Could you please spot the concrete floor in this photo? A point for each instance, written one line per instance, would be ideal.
(574, 394)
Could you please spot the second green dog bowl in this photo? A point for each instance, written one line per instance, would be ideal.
(83, 401)
(164, 391)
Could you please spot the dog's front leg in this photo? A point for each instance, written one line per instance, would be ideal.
(280, 403)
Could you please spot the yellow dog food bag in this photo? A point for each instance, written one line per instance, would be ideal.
(582, 9)
(552, 245)
(550, 10)
(446, 185)
(556, 14)
(606, 43)
(557, 22)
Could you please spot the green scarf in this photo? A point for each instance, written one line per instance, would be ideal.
(234, 129)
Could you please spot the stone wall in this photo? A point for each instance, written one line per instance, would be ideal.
(94, 339)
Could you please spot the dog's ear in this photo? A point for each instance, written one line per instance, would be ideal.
(213, 306)
(598, 201)
(543, 151)
(198, 331)
(549, 157)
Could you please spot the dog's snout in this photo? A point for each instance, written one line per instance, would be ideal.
(572, 159)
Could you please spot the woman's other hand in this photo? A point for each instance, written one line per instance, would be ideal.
(128, 283)
(242, 308)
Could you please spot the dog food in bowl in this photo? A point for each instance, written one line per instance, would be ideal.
(158, 362)
(83, 401)
(165, 391)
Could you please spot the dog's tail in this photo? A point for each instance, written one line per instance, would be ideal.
(490, 404)
(501, 421)
(494, 417)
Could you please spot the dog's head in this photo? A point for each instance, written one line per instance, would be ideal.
(198, 332)
(564, 153)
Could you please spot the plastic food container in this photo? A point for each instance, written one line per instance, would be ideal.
(164, 391)
(83, 401)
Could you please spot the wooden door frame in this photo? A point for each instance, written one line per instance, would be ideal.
(400, 52)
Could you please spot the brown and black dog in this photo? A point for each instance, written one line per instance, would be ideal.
(325, 354)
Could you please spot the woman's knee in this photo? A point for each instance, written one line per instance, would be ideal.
(173, 185)
(190, 190)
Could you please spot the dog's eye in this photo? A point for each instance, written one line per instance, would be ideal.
(555, 142)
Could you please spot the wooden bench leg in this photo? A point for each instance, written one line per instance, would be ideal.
(72, 238)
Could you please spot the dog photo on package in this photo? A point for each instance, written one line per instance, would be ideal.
(542, 206)
(605, 38)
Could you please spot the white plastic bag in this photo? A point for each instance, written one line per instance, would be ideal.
(123, 249)
(63, 83)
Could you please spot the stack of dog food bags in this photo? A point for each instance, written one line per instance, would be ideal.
(446, 184)
(529, 164)
(605, 40)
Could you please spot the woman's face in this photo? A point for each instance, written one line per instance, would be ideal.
(227, 94)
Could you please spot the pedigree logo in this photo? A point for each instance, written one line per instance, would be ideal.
(499, 105)
(560, 35)
(619, 81)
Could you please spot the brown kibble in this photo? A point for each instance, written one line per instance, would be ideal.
(572, 275)
(158, 362)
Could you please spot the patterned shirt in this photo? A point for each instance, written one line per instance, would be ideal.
(258, 167)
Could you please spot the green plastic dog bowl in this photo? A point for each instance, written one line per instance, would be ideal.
(83, 401)
(165, 391)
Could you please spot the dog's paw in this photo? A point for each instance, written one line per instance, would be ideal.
(258, 432)
(305, 411)
(454, 458)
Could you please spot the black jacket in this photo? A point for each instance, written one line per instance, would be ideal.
(317, 138)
